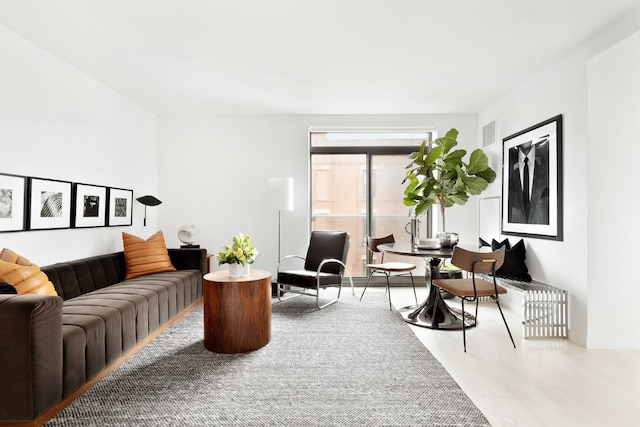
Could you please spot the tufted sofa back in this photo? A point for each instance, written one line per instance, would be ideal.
(78, 277)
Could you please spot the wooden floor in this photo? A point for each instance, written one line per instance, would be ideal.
(544, 382)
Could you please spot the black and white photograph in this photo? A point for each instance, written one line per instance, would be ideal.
(49, 204)
(12, 202)
(120, 207)
(532, 181)
(90, 205)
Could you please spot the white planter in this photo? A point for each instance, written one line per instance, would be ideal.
(238, 270)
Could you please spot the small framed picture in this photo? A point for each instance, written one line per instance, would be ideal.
(13, 202)
(49, 204)
(120, 207)
(90, 205)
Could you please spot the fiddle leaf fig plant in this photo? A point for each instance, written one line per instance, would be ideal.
(441, 176)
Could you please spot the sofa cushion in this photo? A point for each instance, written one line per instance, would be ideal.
(140, 303)
(95, 351)
(127, 312)
(26, 279)
(74, 362)
(147, 304)
(111, 324)
(146, 256)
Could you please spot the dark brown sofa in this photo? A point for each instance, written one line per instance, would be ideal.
(51, 346)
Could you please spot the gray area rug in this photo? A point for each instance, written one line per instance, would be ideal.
(352, 363)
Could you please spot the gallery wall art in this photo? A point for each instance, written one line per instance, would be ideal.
(49, 204)
(90, 205)
(35, 203)
(120, 207)
(13, 202)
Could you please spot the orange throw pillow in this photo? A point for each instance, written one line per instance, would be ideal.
(26, 277)
(146, 256)
(9, 256)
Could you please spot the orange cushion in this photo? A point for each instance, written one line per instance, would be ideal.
(26, 277)
(10, 256)
(464, 287)
(146, 256)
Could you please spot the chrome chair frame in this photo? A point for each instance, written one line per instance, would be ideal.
(318, 285)
(389, 269)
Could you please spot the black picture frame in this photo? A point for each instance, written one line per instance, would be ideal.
(542, 216)
(13, 202)
(120, 207)
(89, 205)
(49, 204)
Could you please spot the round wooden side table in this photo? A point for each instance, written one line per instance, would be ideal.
(237, 311)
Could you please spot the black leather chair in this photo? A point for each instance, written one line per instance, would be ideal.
(324, 266)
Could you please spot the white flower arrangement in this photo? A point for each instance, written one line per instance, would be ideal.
(240, 252)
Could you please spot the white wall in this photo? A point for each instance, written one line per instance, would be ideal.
(58, 123)
(562, 89)
(215, 171)
(613, 228)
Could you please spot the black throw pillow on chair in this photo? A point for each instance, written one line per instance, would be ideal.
(514, 266)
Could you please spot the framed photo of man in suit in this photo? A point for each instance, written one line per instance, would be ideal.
(532, 181)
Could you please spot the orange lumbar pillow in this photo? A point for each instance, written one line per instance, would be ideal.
(146, 256)
(25, 277)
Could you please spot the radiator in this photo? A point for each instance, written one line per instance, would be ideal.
(544, 308)
(545, 312)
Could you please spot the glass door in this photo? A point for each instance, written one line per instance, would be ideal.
(339, 201)
(389, 215)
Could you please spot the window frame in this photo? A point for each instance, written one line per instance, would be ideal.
(369, 152)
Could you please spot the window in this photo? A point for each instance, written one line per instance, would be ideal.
(356, 186)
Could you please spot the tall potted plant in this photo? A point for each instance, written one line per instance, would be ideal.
(441, 176)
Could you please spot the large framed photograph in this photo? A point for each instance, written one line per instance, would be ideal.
(120, 207)
(13, 202)
(532, 181)
(90, 205)
(49, 204)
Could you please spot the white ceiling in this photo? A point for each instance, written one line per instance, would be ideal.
(311, 56)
